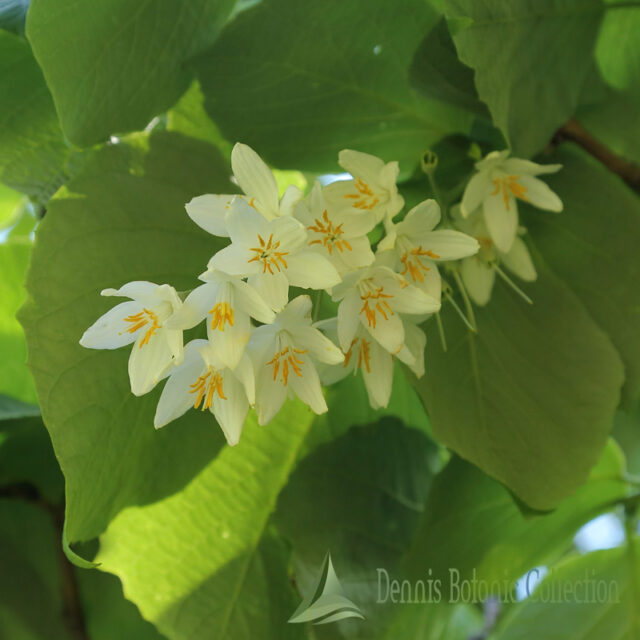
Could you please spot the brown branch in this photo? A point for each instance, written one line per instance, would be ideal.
(72, 611)
(575, 132)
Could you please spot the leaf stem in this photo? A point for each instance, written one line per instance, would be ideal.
(465, 298)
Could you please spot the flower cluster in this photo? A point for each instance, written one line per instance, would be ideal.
(262, 346)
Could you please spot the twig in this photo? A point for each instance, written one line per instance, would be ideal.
(575, 132)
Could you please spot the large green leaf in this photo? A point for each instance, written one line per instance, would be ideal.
(202, 564)
(505, 543)
(30, 579)
(15, 379)
(526, 73)
(536, 382)
(33, 153)
(593, 246)
(122, 219)
(359, 497)
(435, 622)
(299, 81)
(588, 597)
(125, 63)
(618, 48)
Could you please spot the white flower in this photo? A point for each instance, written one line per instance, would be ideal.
(373, 189)
(374, 297)
(417, 247)
(367, 356)
(260, 188)
(479, 271)
(338, 234)
(228, 303)
(283, 354)
(141, 321)
(273, 255)
(202, 381)
(499, 182)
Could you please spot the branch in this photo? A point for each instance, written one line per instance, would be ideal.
(575, 132)
(72, 611)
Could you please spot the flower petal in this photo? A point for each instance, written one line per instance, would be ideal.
(415, 342)
(250, 301)
(235, 260)
(289, 200)
(272, 287)
(140, 290)
(110, 331)
(502, 221)
(388, 332)
(539, 194)
(245, 224)
(255, 179)
(478, 188)
(229, 340)
(420, 220)
(318, 345)
(519, 262)
(209, 211)
(308, 388)
(519, 167)
(231, 412)
(195, 307)
(348, 319)
(361, 165)
(478, 278)
(447, 244)
(148, 363)
(270, 393)
(378, 377)
(411, 299)
(176, 399)
(311, 270)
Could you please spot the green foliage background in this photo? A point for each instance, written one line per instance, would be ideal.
(114, 114)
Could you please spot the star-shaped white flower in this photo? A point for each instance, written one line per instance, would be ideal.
(228, 303)
(273, 254)
(499, 182)
(376, 298)
(203, 381)
(479, 271)
(340, 235)
(143, 322)
(372, 191)
(283, 354)
(417, 247)
(260, 191)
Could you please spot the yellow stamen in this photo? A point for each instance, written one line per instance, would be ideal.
(412, 261)
(364, 354)
(509, 185)
(290, 360)
(378, 298)
(221, 314)
(140, 320)
(364, 198)
(268, 254)
(331, 234)
(206, 386)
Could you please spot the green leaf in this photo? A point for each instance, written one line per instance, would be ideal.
(300, 81)
(10, 408)
(524, 69)
(13, 14)
(435, 622)
(127, 62)
(30, 578)
(588, 597)
(505, 544)
(15, 379)
(596, 254)
(26, 456)
(202, 563)
(33, 153)
(122, 219)
(618, 48)
(359, 497)
(541, 380)
(10, 201)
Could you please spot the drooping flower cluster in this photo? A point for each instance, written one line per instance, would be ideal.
(262, 346)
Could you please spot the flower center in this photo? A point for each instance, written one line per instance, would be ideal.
(364, 198)
(364, 353)
(286, 360)
(330, 234)
(221, 314)
(509, 185)
(140, 320)
(267, 253)
(374, 301)
(412, 261)
(206, 386)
